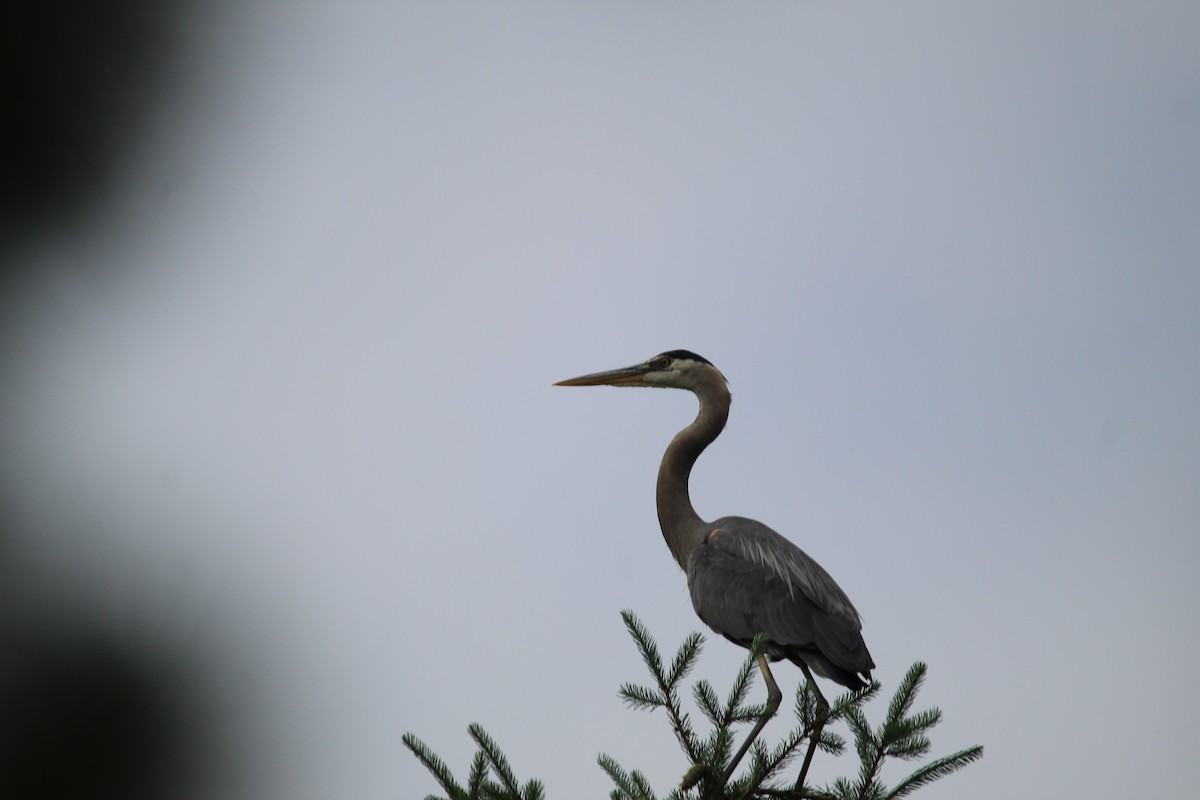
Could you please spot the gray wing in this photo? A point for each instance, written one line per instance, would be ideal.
(745, 579)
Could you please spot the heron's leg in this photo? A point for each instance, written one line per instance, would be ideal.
(774, 696)
(822, 715)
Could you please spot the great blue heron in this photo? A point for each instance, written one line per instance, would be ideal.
(745, 578)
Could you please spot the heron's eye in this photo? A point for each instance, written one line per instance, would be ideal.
(665, 362)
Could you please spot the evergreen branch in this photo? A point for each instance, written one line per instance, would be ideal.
(906, 693)
(707, 700)
(478, 775)
(642, 785)
(806, 705)
(719, 748)
(681, 725)
(864, 738)
(750, 713)
(618, 775)
(854, 699)
(496, 759)
(495, 791)
(871, 790)
(762, 768)
(911, 747)
(435, 765)
(630, 786)
(936, 770)
(784, 751)
(667, 695)
(646, 646)
(842, 789)
(685, 658)
(902, 735)
(809, 716)
(907, 727)
(534, 790)
(640, 697)
(806, 702)
(870, 754)
(796, 794)
(924, 720)
(831, 743)
(744, 679)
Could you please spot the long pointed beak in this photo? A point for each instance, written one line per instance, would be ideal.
(626, 376)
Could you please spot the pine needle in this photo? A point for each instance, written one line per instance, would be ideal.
(936, 770)
(496, 758)
(435, 765)
(906, 693)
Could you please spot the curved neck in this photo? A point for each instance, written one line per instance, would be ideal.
(681, 525)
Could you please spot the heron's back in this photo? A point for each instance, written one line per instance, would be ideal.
(745, 578)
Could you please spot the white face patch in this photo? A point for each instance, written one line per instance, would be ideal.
(678, 375)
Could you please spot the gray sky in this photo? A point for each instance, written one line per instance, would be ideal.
(946, 255)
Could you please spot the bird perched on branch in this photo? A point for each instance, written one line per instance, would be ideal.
(743, 577)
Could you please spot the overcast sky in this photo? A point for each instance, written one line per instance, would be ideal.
(946, 254)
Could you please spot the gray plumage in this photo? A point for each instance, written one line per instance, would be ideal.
(743, 577)
(746, 578)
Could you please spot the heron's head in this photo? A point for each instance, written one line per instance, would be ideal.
(674, 369)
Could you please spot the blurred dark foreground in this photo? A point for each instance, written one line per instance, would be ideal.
(91, 706)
